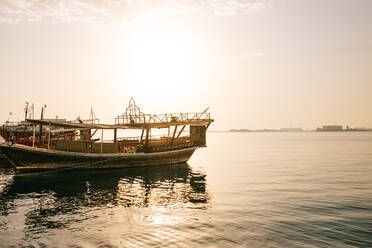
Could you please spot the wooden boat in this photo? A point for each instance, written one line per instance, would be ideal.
(26, 133)
(186, 133)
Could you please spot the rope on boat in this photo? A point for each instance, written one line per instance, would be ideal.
(74, 166)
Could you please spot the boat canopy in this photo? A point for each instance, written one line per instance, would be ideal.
(133, 118)
(144, 125)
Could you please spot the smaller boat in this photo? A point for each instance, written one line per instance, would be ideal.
(25, 133)
(182, 134)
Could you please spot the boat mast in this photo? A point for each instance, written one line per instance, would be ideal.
(26, 109)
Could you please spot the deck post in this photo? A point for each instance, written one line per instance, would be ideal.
(147, 136)
(34, 135)
(115, 135)
(101, 140)
(41, 126)
(174, 134)
(27, 141)
(40, 133)
(49, 136)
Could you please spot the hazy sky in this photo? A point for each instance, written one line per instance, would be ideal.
(256, 64)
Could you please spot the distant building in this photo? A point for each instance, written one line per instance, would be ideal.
(239, 130)
(291, 129)
(332, 128)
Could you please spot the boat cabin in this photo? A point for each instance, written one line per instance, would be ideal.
(158, 133)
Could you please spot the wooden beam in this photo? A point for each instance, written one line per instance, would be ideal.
(207, 126)
(101, 140)
(143, 130)
(174, 134)
(147, 136)
(115, 134)
(93, 133)
(181, 131)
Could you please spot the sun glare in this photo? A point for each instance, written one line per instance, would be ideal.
(157, 58)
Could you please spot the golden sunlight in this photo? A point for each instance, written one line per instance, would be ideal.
(157, 57)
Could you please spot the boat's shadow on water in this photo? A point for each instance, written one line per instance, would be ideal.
(73, 191)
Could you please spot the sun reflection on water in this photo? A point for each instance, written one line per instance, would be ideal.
(150, 196)
(163, 217)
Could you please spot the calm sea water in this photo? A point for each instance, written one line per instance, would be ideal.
(244, 190)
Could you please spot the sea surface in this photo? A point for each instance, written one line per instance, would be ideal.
(310, 189)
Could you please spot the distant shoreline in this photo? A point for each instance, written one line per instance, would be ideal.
(279, 131)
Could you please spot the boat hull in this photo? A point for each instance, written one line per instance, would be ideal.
(28, 157)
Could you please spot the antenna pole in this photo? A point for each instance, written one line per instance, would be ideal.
(26, 109)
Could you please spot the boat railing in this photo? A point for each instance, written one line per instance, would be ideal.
(133, 115)
(161, 118)
(12, 123)
(129, 139)
(153, 138)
